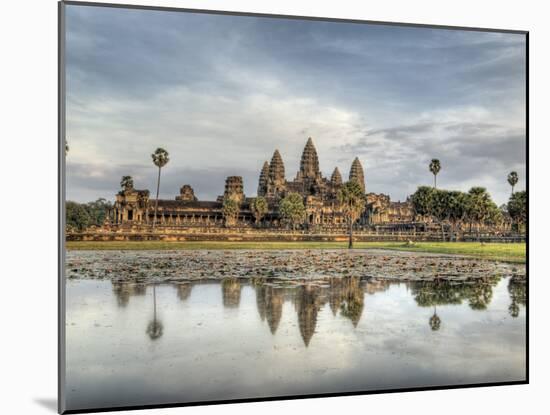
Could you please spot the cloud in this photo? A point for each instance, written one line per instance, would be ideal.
(222, 92)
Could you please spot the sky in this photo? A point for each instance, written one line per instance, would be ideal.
(221, 93)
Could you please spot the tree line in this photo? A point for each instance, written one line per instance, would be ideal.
(445, 207)
(82, 215)
(474, 208)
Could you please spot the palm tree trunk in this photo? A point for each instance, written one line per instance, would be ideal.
(350, 243)
(435, 181)
(156, 201)
(442, 231)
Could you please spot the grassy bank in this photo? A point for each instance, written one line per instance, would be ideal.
(504, 252)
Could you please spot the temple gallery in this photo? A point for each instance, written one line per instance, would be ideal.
(319, 195)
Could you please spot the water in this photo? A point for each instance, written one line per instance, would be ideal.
(136, 344)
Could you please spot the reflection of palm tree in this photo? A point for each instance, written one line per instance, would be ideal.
(435, 321)
(155, 327)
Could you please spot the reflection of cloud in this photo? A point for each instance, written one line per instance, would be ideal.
(221, 93)
(236, 356)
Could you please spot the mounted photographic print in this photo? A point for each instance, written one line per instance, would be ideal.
(256, 207)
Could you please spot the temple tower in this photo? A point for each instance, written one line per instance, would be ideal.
(309, 164)
(187, 194)
(276, 183)
(356, 173)
(336, 178)
(234, 188)
(264, 176)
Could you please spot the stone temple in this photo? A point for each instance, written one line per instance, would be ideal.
(320, 197)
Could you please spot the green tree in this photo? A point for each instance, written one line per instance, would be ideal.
(479, 206)
(440, 209)
(495, 217)
(422, 201)
(435, 168)
(77, 216)
(353, 201)
(513, 179)
(160, 159)
(292, 209)
(230, 210)
(517, 207)
(259, 208)
(126, 183)
(98, 210)
(457, 205)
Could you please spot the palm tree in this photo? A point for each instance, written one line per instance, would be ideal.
(352, 199)
(160, 159)
(513, 180)
(435, 168)
(230, 210)
(292, 209)
(259, 208)
(127, 183)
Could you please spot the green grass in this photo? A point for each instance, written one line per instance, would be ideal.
(503, 252)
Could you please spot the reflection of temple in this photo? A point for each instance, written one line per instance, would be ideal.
(307, 304)
(347, 297)
(270, 302)
(124, 290)
(231, 292)
(184, 291)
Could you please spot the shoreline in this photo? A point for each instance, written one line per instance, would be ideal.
(504, 252)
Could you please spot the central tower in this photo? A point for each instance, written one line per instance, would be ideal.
(309, 164)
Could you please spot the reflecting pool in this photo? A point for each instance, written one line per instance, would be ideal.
(131, 342)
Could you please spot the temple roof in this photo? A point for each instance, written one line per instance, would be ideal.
(188, 204)
(309, 164)
(276, 167)
(262, 182)
(336, 177)
(356, 173)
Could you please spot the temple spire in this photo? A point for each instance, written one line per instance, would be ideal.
(276, 167)
(356, 173)
(262, 183)
(336, 178)
(309, 164)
